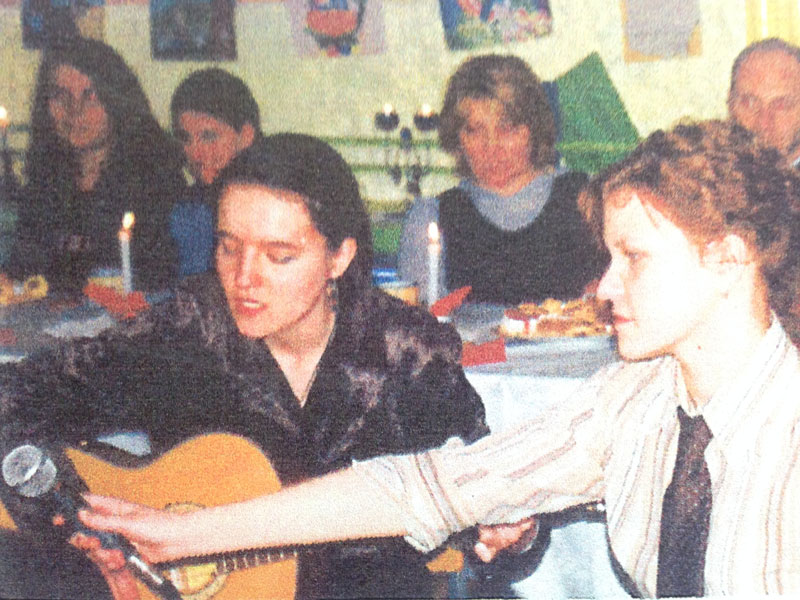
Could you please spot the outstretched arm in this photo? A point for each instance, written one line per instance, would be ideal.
(334, 507)
(426, 497)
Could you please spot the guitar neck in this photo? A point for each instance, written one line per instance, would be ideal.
(255, 558)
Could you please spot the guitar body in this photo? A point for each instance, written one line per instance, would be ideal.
(208, 470)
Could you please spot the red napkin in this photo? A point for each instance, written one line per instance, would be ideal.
(483, 354)
(8, 337)
(444, 306)
(120, 305)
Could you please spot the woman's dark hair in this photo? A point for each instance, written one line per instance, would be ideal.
(509, 80)
(710, 179)
(218, 93)
(136, 134)
(312, 169)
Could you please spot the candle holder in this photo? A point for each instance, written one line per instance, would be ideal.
(387, 120)
(406, 163)
(426, 120)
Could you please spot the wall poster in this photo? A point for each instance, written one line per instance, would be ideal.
(336, 27)
(472, 24)
(45, 21)
(660, 29)
(192, 29)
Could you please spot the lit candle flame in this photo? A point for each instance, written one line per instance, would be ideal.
(426, 110)
(4, 120)
(127, 221)
(388, 109)
(433, 233)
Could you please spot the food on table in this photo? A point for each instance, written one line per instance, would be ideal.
(581, 317)
(12, 292)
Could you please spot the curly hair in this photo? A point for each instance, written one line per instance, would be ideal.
(511, 81)
(710, 179)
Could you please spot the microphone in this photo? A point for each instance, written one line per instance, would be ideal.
(30, 472)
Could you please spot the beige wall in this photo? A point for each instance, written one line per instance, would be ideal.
(339, 97)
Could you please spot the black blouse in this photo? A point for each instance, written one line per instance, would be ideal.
(555, 256)
(64, 233)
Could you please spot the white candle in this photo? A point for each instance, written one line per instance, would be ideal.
(434, 257)
(4, 123)
(125, 234)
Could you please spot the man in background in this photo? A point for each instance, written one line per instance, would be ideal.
(764, 96)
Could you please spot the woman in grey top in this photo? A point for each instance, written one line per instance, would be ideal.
(511, 229)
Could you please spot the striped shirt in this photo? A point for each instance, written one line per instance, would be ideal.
(615, 441)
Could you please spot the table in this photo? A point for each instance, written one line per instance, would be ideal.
(576, 563)
(534, 377)
(29, 326)
(32, 326)
(38, 324)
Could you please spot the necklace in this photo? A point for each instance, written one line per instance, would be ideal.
(304, 396)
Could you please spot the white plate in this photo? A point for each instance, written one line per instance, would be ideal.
(558, 345)
(479, 323)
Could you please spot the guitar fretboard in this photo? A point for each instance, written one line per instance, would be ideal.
(247, 560)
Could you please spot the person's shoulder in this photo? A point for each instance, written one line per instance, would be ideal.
(162, 160)
(570, 182)
(455, 194)
(619, 384)
(386, 310)
(193, 201)
(424, 210)
(199, 294)
(564, 194)
(405, 327)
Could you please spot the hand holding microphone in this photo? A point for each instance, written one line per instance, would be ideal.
(30, 472)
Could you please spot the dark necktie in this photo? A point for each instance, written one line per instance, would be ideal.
(685, 514)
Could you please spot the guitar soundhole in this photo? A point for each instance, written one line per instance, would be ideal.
(196, 581)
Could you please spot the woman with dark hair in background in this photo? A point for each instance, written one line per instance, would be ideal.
(215, 117)
(96, 151)
(511, 229)
(286, 344)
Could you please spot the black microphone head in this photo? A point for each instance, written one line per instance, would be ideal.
(29, 471)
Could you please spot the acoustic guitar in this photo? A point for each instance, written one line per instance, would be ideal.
(208, 470)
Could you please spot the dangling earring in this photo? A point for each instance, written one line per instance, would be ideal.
(332, 291)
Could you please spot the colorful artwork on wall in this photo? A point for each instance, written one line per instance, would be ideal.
(46, 21)
(472, 24)
(337, 27)
(660, 29)
(192, 29)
